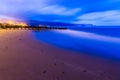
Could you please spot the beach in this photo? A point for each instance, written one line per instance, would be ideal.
(24, 58)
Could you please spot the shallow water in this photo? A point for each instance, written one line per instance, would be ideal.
(102, 42)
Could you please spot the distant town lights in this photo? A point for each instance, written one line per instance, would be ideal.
(15, 23)
(10, 22)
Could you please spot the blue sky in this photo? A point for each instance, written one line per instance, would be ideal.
(97, 12)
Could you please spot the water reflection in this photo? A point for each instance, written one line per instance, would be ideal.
(90, 43)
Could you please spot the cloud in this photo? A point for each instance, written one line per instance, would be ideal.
(111, 17)
(4, 18)
(20, 6)
(62, 10)
(58, 10)
(16, 8)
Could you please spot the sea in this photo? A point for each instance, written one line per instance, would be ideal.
(100, 42)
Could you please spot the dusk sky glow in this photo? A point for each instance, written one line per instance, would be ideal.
(98, 12)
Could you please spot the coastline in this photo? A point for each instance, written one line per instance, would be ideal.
(24, 58)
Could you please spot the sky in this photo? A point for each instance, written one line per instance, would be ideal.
(97, 12)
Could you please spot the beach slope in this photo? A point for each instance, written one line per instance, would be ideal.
(24, 58)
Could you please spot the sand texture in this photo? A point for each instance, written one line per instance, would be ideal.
(24, 58)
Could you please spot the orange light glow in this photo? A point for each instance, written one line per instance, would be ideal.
(10, 22)
(13, 22)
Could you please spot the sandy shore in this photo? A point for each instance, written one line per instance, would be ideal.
(24, 58)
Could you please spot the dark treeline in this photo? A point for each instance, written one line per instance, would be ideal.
(29, 27)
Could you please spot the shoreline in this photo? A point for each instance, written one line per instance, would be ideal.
(24, 58)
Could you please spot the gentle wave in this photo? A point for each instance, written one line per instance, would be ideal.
(81, 41)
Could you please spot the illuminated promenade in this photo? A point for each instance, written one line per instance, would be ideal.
(22, 25)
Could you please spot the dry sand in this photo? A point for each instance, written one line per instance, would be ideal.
(24, 58)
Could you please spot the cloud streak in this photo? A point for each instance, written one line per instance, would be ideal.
(43, 7)
(58, 10)
(88, 12)
(111, 17)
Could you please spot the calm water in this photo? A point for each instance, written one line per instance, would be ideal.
(99, 42)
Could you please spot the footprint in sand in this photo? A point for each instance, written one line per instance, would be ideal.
(84, 71)
(55, 64)
(20, 39)
(44, 72)
(63, 72)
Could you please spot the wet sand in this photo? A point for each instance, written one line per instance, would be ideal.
(24, 58)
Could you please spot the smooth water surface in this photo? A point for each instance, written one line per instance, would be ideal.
(103, 42)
